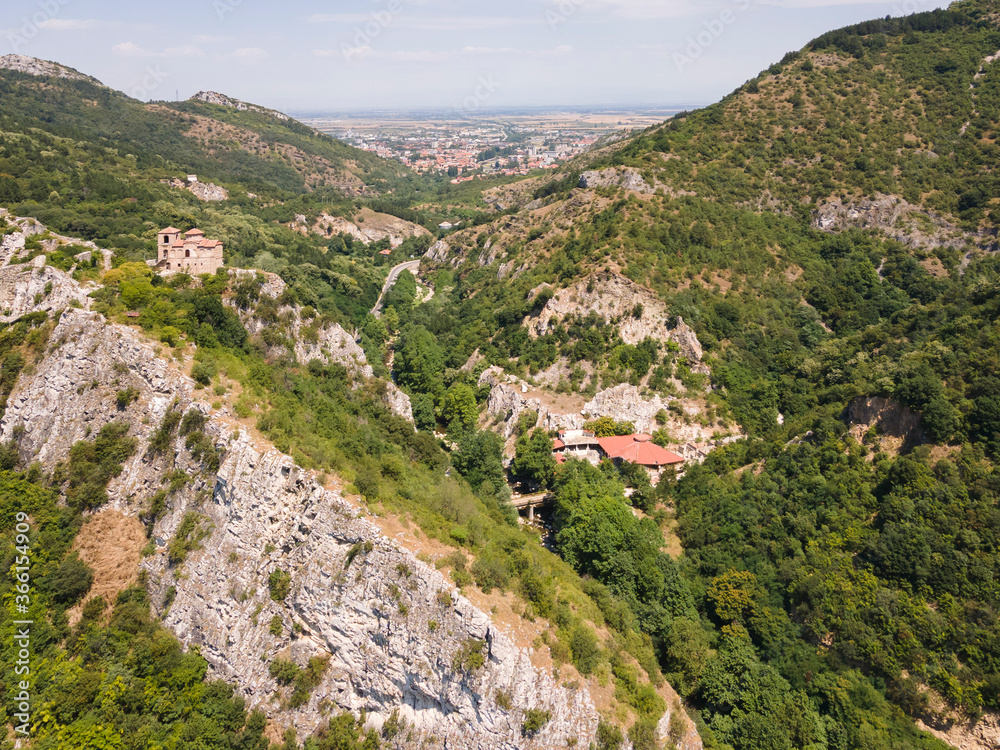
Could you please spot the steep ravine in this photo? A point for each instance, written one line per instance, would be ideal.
(389, 624)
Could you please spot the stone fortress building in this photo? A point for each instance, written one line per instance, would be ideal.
(190, 253)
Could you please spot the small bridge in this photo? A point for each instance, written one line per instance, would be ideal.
(536, 500)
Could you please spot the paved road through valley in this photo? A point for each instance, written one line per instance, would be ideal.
(410, 265)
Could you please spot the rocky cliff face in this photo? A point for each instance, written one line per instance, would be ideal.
(36, 287)
(396, 635)
(510, 397)
(71, 393)
(213, 97)
(12, 245)
(626, 178)
(368, 227)
(391, 627)
(897, 219)
(35, 67)
(307, 340)
(889, 417)
(205, 191)
(638, 312)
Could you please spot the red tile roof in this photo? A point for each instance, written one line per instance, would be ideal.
(385, 252)
(638, 449)
(557, 444)
(191, 232)
(170, 230)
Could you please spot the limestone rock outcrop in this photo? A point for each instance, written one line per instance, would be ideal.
(897, 219)
(395, 633)
(72, 391)
(213, 97)
(12, 244)
(329, 343)
(638, 312)
(369, 226)
(890, 417)
(626, 178)
(391, 627)
(35, 67)
(26, 288)
(205, 191)
(510, 397)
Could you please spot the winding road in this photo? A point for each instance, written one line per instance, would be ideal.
(410, 265)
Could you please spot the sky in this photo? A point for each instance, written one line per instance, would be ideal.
(461, 55)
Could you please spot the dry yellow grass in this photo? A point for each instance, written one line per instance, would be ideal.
(111, 544)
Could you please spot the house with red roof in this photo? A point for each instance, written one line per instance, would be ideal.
(192, 253)
(636, 449)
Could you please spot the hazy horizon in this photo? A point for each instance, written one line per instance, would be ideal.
(370, 55)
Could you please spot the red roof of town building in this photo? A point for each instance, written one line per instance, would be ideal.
(638, 449)
(191, 232)
(170, 230)
(560, 458)
(557, 444)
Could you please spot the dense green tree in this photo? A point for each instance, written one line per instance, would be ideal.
(533, 459)
(460, 406)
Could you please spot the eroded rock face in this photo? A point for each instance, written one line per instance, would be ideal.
(638, 312)
(213, 97)
(330, 344)
(27, 288)
(13, 245)
(373, 227)
(205, 191)
(35, 67)
(896, 218)
(439, 252)
(392, 627)
(508, 400)
(627, 178)
(72, 392)
(510, 397)
(890, 417)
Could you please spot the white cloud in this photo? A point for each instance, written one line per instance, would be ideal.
(248, 54)
(802, 4)
(473, 24)
(637, 10)
(67, 24)
(185, 50)
(432, 56)
(130, 49)
(339, 17)
(487, 50)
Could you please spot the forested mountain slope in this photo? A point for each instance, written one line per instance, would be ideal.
(829, 232)
(99, 356)
(808, 265)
